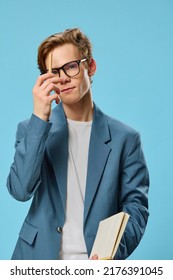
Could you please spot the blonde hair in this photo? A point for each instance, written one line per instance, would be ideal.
(69, 36)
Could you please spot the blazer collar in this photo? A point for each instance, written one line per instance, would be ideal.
(97, 158)
(58, 119)
(99, 127)
(57, 147)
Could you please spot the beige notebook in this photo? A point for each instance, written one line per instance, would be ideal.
(109, 235)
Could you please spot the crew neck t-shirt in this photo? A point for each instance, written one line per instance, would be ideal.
(73, 244)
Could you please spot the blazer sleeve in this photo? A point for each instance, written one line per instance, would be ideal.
(133, 197)
(24, 177)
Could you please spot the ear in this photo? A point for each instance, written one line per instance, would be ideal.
(92, 67)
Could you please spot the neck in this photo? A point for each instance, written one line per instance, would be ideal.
(81, 110)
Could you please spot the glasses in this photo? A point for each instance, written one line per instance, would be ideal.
(71, 69)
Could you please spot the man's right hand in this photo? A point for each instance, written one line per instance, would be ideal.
(42, 96)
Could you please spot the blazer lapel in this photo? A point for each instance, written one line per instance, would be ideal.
(97, 158)
(57, 147)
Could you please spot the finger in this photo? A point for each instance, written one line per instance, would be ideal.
(57, 90)
(58, 100)
(42, 78)
(53, 80)
(53, 97)
(94, 257)
(47, 91)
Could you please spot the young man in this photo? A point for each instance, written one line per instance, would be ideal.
(79, 165)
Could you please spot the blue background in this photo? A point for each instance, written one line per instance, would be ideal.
(133, 47)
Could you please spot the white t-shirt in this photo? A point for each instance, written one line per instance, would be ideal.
(73, 244)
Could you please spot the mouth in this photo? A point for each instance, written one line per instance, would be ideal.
(67, 89)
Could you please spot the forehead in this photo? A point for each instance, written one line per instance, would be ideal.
(64, 54)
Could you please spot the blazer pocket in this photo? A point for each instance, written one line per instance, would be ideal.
(28, 232)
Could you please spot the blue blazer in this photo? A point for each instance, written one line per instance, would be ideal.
(117, 180)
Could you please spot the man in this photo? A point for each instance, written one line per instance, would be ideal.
(79, 165)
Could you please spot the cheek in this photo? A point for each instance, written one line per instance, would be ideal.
(85, 84)
(84, 88)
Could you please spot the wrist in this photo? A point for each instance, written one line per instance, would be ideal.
(42, 117)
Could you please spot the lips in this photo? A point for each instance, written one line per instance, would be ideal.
(67, 89)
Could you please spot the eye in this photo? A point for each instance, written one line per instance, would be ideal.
(55, 71)
(71, 66)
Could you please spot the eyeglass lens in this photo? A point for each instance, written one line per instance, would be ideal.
(71, 69)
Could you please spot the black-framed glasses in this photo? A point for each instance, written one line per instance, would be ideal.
(71, 69)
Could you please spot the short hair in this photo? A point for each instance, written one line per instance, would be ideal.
(69, 36)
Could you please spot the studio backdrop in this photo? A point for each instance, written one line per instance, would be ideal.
(133, 48)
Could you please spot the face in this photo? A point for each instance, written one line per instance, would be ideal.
(73, 89)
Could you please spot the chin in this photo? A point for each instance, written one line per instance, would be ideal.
(71, 100)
